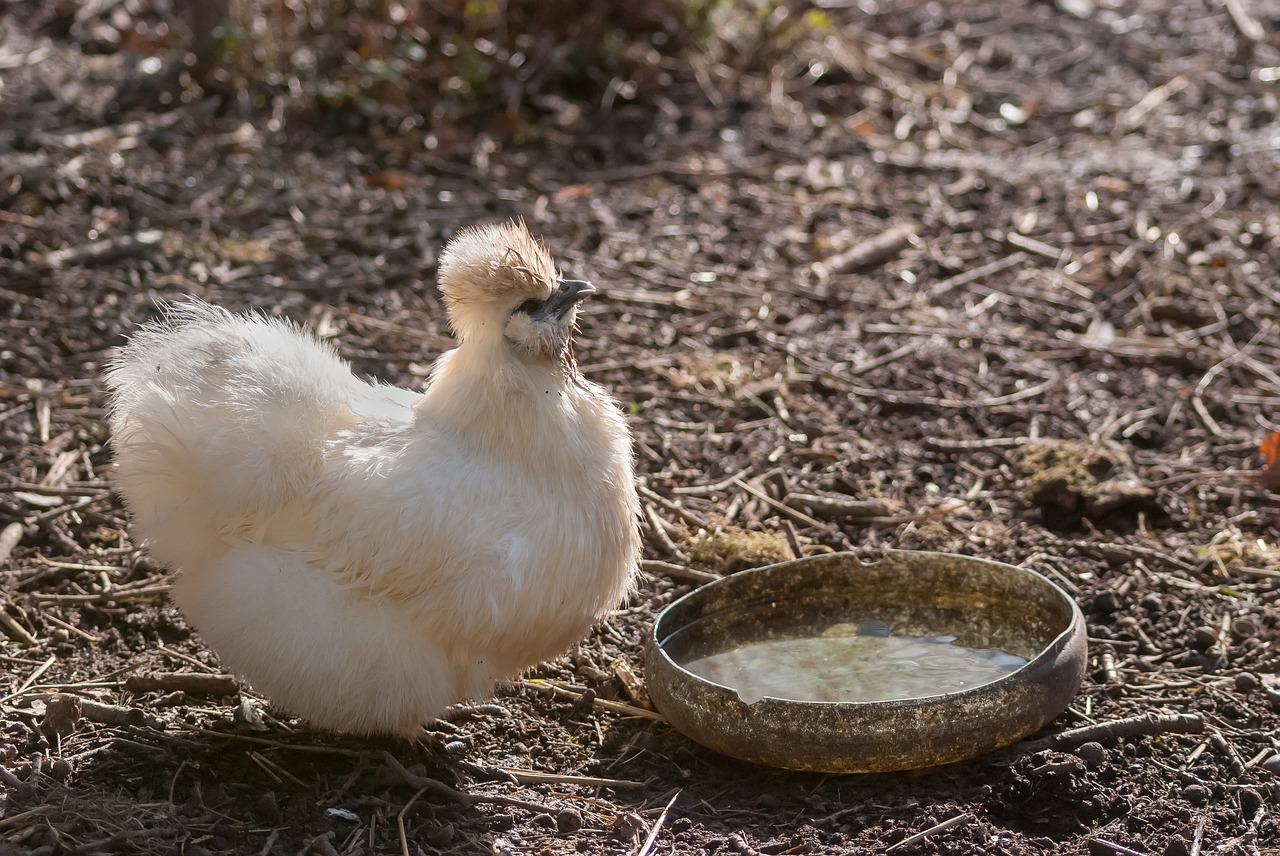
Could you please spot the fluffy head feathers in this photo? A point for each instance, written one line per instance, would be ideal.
(500, 263)
(499, 279)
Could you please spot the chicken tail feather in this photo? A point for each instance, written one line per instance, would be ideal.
(217, 418)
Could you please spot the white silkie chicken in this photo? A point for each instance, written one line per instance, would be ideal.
(364, 555)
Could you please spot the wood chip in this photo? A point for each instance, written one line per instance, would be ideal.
(869, 253)
(632, 683)
(193, 683)
(10, 537)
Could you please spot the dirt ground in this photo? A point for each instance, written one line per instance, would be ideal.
(991, 278)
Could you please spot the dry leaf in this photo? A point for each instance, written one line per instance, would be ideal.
(1269, 476)
(574, 191)
(390, 179)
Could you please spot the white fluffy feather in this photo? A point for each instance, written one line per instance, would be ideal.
(364, 555)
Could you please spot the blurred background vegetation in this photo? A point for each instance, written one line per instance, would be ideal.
(425, 69)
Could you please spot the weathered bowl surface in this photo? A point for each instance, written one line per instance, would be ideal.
(984, 604)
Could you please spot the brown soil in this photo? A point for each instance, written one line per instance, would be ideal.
(1064, 357)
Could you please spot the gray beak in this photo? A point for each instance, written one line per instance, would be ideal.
(564, 298)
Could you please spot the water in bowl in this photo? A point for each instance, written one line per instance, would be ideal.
(853, 662)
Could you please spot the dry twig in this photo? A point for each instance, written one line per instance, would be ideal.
(647, 847)
(1245, 22)
(658, 528)
(833, 507)
(63, 710)
(12, 627)
(1118, 849)
(438, 787)
(1135, 726)
(679, 572)
(933, 830)
(868, 253)
(193, 683)
(603, 703)
(117, 595)
(537, 777)
(798, 516)
(32, 678)
(974, 274)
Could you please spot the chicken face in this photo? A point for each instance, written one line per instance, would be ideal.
(498, 280)
(541, 328)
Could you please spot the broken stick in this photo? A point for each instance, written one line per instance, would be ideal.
(1135, 726)
(12, 627)
(837, 508)
(439, 788)
(193, 683)
(876, 249)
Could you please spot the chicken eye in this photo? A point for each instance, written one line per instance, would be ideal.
(530, 306)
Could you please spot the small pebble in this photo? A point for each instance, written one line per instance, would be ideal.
(1196, 794)
(455, 747)
(1250, 802)
(628, 826)
(1093, 754)
(1177, 846)
(1272, 764)
(1106, 602)
(60, 769)
(178, 697)
(441, 837)
(1246, 682)
(268, 805)
(568, 820)
(1203, 638)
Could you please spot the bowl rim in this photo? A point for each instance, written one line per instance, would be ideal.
(1037, 691)
(707, 588)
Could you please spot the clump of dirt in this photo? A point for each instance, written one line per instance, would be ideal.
(722, 372)
(726, 548)
(1084, 478)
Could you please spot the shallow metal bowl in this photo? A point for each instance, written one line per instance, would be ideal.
(984, 604)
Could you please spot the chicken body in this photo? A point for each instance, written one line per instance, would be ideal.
(365, 555)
